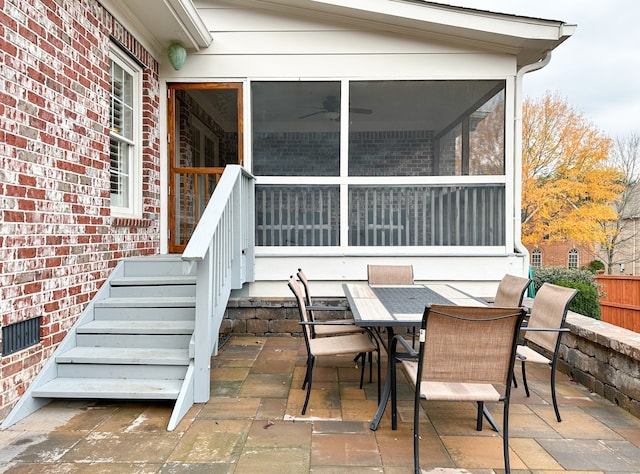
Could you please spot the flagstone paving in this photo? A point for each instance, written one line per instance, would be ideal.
(252, 424)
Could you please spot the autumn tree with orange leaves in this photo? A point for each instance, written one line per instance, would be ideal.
(567, 183)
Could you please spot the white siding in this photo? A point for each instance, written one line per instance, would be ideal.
(253, 43)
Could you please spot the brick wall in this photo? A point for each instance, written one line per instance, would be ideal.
(58, 241)
(556, 254)
(384, 153)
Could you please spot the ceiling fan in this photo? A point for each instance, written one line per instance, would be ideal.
(331, 104)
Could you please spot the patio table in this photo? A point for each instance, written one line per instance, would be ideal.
(389, 306)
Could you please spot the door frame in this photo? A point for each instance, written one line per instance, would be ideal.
(171, 137)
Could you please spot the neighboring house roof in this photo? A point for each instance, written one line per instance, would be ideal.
(165, 21)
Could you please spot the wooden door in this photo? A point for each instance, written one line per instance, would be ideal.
(205, 135)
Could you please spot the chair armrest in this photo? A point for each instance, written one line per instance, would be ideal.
(411, 352)
(320, 307)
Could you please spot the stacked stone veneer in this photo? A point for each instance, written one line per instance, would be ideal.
(604, 358)
(598, 355)
(271, 316)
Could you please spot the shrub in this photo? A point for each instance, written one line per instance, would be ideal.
(586, 301)
(595, 266)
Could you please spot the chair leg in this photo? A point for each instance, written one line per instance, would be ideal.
(370, 367)
(308, 372)
(310, 363)
(524, 379)
(416, 433)
(505, 437)
(480, 416)
(364, 363)
(553, 392)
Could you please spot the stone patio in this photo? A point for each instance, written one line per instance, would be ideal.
(252, 424)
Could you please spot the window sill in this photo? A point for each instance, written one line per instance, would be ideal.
(131, 222)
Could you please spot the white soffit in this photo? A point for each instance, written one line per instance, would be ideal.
(158, 23)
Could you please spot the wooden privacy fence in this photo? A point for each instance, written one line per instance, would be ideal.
(620, 300)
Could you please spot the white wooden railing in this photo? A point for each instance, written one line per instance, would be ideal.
(382, 215)
(222, 249)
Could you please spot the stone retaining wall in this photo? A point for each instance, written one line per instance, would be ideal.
(602, 357)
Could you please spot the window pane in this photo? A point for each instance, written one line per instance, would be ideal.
(119, 156)
(486, 137)
(121, 101)
(395, 128)
(296, 128)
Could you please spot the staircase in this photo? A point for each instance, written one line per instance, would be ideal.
(137, 338)
(132, 342)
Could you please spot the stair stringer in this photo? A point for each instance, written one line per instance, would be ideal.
(185, 399)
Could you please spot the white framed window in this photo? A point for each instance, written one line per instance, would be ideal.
(536, 258)
(125, 136)
(573, 258)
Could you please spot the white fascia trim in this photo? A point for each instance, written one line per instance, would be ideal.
(187, 15)
(455, 17)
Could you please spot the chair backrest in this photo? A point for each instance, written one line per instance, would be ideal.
(305, 283)
(296, 289)
(469, 344)
(511, 291)
(549, 310)
(390, 274)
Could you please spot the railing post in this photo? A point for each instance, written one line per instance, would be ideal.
(203, 329)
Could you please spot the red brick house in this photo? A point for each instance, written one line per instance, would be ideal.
(561, 254)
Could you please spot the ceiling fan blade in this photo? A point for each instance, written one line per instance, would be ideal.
(355, 110)
(311, 114)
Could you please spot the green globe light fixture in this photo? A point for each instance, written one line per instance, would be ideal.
(177, 55)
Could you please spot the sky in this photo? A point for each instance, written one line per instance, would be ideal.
(597, 70)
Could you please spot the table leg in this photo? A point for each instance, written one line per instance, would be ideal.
(386, 389)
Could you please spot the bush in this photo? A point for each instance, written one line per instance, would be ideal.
(586, 301)
(595, 266)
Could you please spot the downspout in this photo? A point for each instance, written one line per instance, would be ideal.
(517, 126)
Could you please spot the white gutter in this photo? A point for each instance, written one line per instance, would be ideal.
(517, 126)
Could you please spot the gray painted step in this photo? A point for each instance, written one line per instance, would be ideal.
(148, 341)
(124, 355)
(159, 265)
(146, 302)
(152, 280)
(108, 371)
(110, 388)
(137, 327)
(110, 313)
